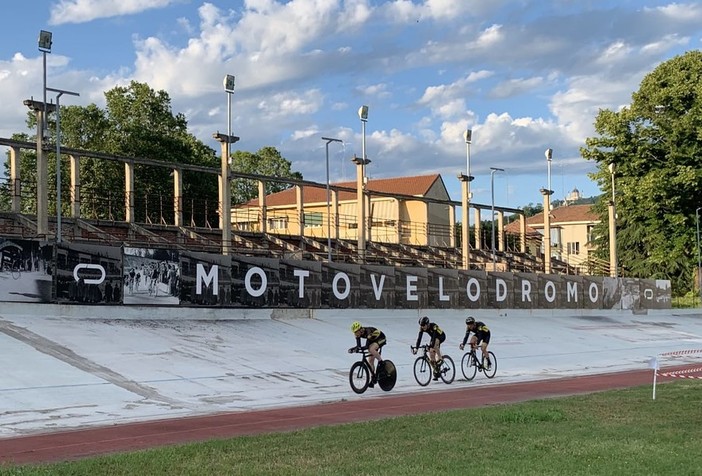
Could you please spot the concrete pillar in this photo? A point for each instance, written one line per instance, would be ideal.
(547, 229)
(75, 185)
(263, 208)
(42, 180)
(501, 230)
(225, 192)
(612, 239)
(465, 219)
(129, 191)
(300, 210)
(522, 233)
(335, 213)
(178, 197)
(452, 227)
(478, 239)
(15, 179)
(360, 208)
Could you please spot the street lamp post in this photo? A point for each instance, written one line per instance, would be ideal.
(614, 271)
(547, 212)
(45, 47)
(699, 261)
(363, 116)
(492, 208)
(465, 202)
(329, 248)
(60, 92)
(225, 190)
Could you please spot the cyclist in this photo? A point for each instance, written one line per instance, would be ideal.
(436, 336)
(375, 340)
(481, 336)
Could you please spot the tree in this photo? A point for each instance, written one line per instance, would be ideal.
(137, 122)
(267, 161)
(655, 146)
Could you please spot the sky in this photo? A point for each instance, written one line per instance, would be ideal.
(523, 75)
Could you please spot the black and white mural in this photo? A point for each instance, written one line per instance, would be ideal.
(33, 271)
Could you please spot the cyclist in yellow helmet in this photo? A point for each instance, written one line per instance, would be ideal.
(375, 340)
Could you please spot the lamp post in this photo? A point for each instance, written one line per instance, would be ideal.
(42, 110)
(492, 208)
(45, 47)
(225, 190)
(329, 248)
(547, 212)
(465, 202)
(699, 261)
(60, 92)
(363, 116)
(614, 271)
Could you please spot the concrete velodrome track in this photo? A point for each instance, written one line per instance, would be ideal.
(87, 380)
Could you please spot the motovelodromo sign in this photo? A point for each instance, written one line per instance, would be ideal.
(93, 274)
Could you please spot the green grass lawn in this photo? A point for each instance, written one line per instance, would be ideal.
(617, 432)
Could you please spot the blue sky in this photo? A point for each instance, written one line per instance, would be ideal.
(524, 75)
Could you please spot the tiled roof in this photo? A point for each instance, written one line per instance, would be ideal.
(566, 214)
(417, 186)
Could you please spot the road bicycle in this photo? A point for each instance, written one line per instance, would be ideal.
(13, 268)
(424, 367)
(360, 373)
(471, 364)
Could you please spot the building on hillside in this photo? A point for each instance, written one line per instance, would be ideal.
(406, 210)
(571, 235)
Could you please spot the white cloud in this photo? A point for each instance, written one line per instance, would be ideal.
(81, 11)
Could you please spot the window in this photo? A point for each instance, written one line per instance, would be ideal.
(279, 223)
(313, 219)
(573, 247)
(590, 233)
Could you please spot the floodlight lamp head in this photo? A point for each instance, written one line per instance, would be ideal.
(549, 154)
(468, 135)
(363, 113)
(45, 41)
(611, 168)
(228, 83)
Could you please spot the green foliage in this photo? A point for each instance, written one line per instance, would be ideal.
(617, 432)
(267, 161)
(655, 146)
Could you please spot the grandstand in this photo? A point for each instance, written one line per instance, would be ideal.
(411, 223)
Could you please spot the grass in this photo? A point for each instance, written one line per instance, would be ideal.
(621, 432)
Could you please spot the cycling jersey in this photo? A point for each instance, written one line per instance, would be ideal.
(482, 333)
(371, 334)
(434, 332)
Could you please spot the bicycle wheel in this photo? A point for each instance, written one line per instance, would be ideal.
(469, 366)
(422, 371)
(490, 373)
(448, 370)
(387, 375)
(359, 377)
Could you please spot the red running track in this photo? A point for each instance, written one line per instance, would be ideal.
(75, 444)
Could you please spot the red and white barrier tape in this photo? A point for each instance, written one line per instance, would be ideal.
(681, 352)
(679, 373)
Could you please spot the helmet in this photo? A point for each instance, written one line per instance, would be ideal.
(470, 320)
(355, 327)
(424, 321)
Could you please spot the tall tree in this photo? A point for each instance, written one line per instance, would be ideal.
(137, 122)
(267, 161)
(655, 147)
